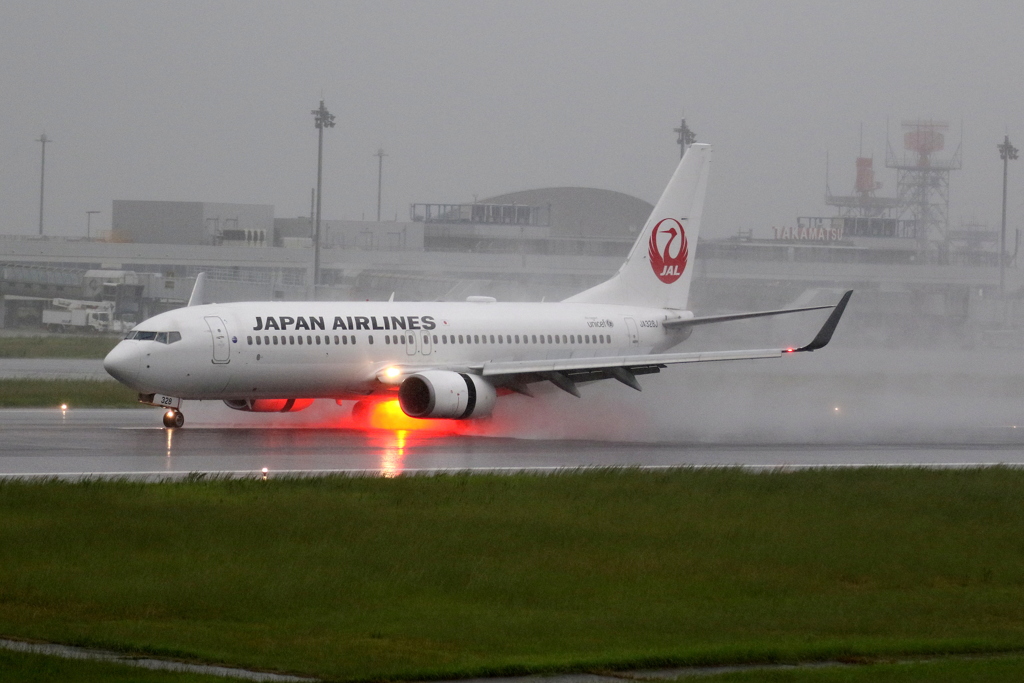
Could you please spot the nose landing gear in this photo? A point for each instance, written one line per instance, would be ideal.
(173, 419)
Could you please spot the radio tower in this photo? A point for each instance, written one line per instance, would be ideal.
(922, 179)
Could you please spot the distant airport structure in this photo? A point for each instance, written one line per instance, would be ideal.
(912, 270)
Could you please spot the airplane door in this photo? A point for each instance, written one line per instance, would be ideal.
(219, 333)
(410, 344)
(633, 331)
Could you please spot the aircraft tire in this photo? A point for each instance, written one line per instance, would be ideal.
(173, 419)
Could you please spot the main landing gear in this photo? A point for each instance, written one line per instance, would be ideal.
(173, 419)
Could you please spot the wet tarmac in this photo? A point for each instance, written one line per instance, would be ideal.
(77, 443)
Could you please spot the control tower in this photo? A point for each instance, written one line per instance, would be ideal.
(922, 180)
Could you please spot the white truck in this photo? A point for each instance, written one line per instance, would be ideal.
(69, 315)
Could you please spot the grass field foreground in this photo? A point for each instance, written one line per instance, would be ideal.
(77, 393)
(78, 346)
(448, 576)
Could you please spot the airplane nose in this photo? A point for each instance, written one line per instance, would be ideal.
(122, 363)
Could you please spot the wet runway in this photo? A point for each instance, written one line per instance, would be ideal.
(132, 443)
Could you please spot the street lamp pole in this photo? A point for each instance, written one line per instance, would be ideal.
(88, 223)
(380, 174)
(42, 179)
(1007, 152)
(321, 119)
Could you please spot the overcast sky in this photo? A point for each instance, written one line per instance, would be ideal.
(211, 101)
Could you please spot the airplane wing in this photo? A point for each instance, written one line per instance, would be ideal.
(691, 322)
(565, 373)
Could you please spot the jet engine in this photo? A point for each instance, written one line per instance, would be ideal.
(446, 394)
(269, 405)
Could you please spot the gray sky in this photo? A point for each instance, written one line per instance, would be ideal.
(211, 101)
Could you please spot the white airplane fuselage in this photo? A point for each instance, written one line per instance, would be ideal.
(338, 349)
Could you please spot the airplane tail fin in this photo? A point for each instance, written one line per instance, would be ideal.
(659, 267)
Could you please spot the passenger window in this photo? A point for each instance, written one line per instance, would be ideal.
(258, 341)
(300, 340)
(318, 340)
(517, 339)
(249, 340)
(344, 340)
(565, 340)
(309, 339)
(387, 338)
(266, 340)
(275, 340)
(492, 338)
(460, 339)
(435, 338)
(353, 339)
(369, 338)
(335, 340)
(533, 338)
(549, 339)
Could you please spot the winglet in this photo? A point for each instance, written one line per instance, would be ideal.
(198, 297)
(824, 335)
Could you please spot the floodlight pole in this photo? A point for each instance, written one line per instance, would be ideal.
(42, 179)
(380, 174)
(1007, 152)
(685, 138)
(321, 119)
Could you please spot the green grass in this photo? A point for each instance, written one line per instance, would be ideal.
(32, 668)
(57, 347)
(78, 393)
(416, 577)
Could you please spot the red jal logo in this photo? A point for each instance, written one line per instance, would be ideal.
(666, 267)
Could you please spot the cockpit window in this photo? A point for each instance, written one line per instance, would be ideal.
(161, 337)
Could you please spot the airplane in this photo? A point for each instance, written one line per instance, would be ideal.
(448, 360)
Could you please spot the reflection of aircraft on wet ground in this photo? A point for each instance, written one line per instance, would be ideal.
(443, 360)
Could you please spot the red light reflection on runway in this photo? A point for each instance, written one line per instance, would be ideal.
(392, 454)
(388, 415)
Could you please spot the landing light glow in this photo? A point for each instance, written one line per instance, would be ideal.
(392, 373)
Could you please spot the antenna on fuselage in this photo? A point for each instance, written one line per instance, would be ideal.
(198, 297)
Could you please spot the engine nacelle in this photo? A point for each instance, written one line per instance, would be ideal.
(269, 405)
(446, 394)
